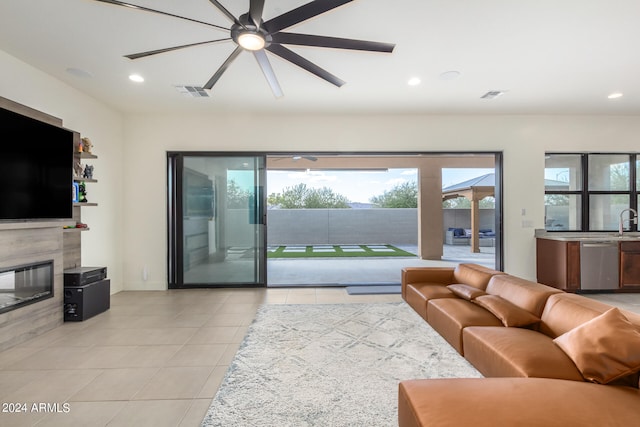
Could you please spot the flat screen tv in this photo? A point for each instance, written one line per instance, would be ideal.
(36, 169)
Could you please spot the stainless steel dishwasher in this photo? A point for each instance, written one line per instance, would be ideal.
(599, 265)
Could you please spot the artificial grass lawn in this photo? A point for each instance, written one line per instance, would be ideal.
(337, 251)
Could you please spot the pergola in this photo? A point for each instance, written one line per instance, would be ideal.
(475, 190)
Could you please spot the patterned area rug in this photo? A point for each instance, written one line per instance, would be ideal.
(330, 365)
(374, 289)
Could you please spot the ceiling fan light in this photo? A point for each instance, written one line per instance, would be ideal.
(136, 78)
(251, 41)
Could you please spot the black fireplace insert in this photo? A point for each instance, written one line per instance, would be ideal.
(25, 284)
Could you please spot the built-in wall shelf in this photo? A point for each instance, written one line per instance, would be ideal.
(84, 155)
(79, 205)
(75, 229)
(85, 180)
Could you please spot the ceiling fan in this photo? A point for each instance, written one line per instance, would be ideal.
(251, 33)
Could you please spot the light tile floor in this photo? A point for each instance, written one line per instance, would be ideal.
(154, 359)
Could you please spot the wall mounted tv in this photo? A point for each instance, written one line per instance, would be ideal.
(36, 169)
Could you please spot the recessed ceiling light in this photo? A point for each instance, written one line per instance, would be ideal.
(136, 78)
(450, 75)
(615, 95)
(414, 81)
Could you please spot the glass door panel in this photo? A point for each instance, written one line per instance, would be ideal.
(218, 222)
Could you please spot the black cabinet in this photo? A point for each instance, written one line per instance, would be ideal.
(83, 302)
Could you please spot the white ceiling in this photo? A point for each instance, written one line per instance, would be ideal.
(549, 56)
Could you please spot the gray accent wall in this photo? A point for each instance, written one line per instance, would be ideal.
(342, 226)
(352, 226)
(348, 226)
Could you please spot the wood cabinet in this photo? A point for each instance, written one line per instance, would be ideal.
(558, 264)
(630, 265)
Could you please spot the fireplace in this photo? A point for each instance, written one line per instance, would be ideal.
(25, 284)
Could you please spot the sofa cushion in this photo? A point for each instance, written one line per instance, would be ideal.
(605, 348)
(475, 275)
(508, 313)
(449, 316)
(467, 292)
(564, 312)
(516, 352)
(418, 295)
(457, 232)
(526, 294)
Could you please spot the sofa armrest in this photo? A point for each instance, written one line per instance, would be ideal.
(439, 275)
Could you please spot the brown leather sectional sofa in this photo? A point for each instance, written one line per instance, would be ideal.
(550, 358)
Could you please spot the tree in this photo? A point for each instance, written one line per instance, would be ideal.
(619, 176)
(403, 195)
(325, 198)
(291, 197)
(237, 198)
(302, 197)
(620, 181)
(556, 200)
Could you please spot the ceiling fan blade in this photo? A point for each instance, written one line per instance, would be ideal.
(169, 49)
(146, 9)
(255, 11)
(225, 12)
(334, 42)
(302, 13)
(265, 65)
(300, 157)
(305, 64)
(212, 81)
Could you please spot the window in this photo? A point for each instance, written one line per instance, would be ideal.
(608, 172)
(587, 192)
(563, 191)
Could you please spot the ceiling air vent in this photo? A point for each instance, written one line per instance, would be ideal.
(193, 91)
(492, 94)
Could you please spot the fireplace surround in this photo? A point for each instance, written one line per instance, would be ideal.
(26, 244)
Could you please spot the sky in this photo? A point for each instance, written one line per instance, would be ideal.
(360, 186)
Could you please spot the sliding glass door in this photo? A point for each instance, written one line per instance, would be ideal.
(216, 220)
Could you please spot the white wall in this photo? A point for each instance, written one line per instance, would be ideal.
(102, 245)
(522, 139)
(133, 181)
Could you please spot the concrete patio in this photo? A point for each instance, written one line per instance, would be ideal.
(345, 271)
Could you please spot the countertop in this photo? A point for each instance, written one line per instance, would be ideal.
(587, 236)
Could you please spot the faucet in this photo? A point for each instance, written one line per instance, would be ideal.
(634, 219)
